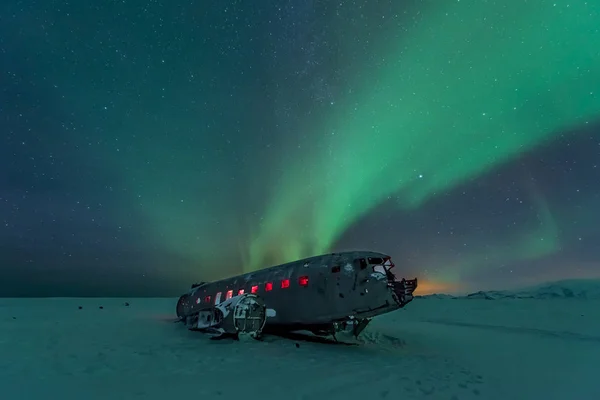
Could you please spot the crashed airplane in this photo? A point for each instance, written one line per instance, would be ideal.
(325, 295)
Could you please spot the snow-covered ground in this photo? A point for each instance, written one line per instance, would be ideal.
(435, 348)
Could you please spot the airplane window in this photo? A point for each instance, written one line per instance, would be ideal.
(229, 294)
(335, 269)
(375, 260)
(218, 298)
(240, 292)
(268, 286)
(303, 281)
(254, 289)
(363, 263)
(285, 283)
(207, 299)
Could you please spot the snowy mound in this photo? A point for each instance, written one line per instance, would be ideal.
(107, 348)
(438, 296)
(568, 289)
(490, 295)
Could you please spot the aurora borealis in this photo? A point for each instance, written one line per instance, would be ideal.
(148, 145)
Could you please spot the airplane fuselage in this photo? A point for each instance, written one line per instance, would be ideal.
(311, 292)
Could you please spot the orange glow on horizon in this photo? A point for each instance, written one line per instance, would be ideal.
(429, 287)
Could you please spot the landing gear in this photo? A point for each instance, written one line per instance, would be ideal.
(351, 327)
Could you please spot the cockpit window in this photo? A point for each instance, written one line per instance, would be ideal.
(375, 260)
(379, 268)
(383, 267)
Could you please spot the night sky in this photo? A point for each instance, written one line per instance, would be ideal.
(146, 145)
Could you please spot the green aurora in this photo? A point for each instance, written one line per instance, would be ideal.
(464, 88)
(470, 86)
(167, 143)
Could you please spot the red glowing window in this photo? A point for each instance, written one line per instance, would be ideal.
(303, 281)
(254, 289)
(229, 294)
(207, 299)
(268, 286)
(285, 283)
(240, 292)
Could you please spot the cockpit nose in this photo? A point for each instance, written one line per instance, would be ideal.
(402, 290)
(386, 265)
(385, 268)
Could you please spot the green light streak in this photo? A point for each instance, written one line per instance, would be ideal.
(473, 85)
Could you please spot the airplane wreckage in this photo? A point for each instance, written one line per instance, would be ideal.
(325, 295)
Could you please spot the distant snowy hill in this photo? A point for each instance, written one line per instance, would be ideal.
(567, 289)
(439, 296)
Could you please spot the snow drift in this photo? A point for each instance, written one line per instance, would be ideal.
(566, 289)
(438, 348)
